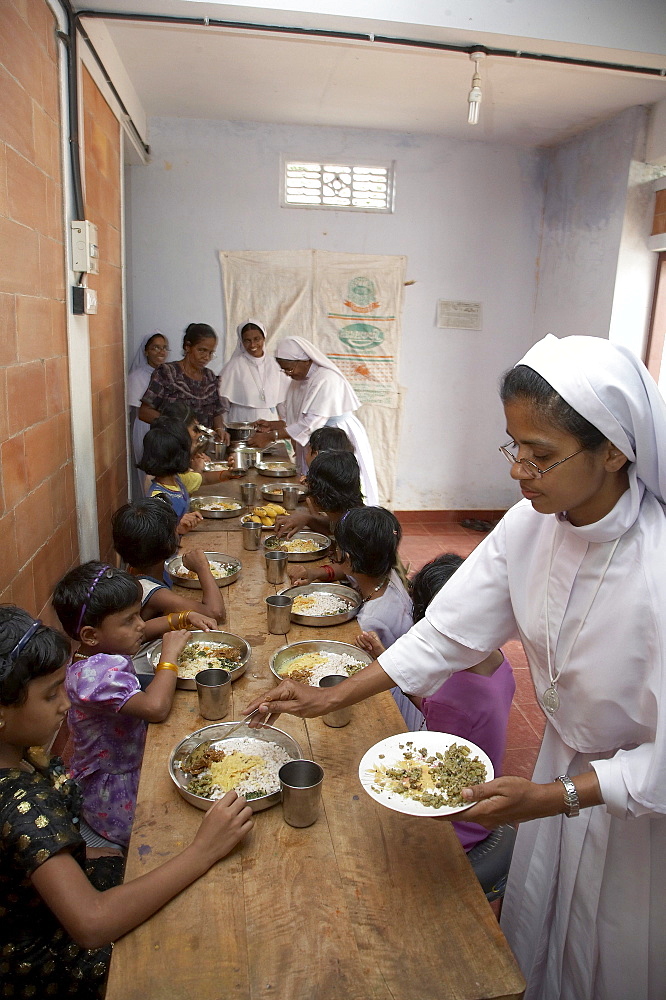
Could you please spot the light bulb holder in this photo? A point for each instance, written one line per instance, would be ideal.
(475, 96)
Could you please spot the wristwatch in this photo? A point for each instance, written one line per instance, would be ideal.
(571, 802)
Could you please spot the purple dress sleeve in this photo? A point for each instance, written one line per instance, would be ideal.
(103, 683)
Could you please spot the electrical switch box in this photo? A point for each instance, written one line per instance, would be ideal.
(85, 250)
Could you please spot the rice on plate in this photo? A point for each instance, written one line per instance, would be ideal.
(309, 668)
(249, 766)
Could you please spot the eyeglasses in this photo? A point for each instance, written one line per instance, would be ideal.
(530, 468)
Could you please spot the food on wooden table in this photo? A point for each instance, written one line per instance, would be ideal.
(250, 766)
(298, 545)
(216, 505)
(218, 569)
(321, 603)
(309, 668)
(201, 655)
(277, 466)
(267, 514)
(433, 779)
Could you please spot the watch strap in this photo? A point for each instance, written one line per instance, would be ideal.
(571, 801)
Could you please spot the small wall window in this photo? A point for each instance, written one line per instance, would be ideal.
(348, 186)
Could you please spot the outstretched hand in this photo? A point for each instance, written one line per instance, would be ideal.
(291, 697)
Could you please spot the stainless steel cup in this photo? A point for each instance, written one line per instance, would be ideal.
(239, 462)
(253, 456)
(278, 608)
(300, 785)
(276, 566)
(213, 690)
(339, 718)
(248, 493)
(251, 535)
(290, 496)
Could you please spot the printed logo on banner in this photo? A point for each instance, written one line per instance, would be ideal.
(361, 292)
(361, 336)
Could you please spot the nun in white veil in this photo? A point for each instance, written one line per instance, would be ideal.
(251, 383)
(319, 395)
(577, 571)
(152, 352)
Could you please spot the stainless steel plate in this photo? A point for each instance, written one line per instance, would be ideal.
(348, 593)
(216, 734)
(294, 649)
(285, 469)
(196, 503)
(272, 543)
(268, 494)
(223, 638)
(222, 557)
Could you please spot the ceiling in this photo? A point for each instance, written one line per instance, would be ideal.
(233, 74)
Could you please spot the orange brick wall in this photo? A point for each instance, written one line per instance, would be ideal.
(103, 207)
(37, 505)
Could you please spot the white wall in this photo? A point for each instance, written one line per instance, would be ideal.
(467, 217)
(584, 210)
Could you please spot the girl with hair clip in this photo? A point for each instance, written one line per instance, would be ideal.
(252, 385)
(60, 911)
(145, 535)
(334, 487)
(101, 608)
(576, 569)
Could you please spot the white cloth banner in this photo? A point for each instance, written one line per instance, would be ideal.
(349, 306)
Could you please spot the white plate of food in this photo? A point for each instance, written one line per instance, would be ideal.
(419, 774)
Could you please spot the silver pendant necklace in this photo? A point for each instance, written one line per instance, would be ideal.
(257, 382)
(550, 699)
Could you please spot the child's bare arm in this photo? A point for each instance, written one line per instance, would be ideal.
(156, 627)
(154, 704)
(212, 602)
(188, 521)
(95, 918)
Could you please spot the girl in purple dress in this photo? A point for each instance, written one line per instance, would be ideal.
(101, 607)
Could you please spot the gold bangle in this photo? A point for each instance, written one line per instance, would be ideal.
(169, 618)
(182, 619)
(165, 665)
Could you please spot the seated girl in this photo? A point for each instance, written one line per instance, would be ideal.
(178, 417)
(145, 536)
(367, 540)
(334, 487)
(57, 924)
(100, 607)
(473, 704)
(327, 439)
(166, 456)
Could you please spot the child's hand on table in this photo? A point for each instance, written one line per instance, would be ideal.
(201, 622)
(189, 521)
(370, 642)
(287, 525)
(223, 826)
(300, 575)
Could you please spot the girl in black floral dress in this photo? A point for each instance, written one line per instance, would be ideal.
(57, 921)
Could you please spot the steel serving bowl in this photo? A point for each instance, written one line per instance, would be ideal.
(197, 503)
(176, 561)
(223, 638)
(240, 430)
(339, 590)
(285, 469)
(294, 649)
(274, 544)
(275, 493)
(216, 734)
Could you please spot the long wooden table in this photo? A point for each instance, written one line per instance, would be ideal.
(367, 903)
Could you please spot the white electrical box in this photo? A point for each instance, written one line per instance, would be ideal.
(85, 251)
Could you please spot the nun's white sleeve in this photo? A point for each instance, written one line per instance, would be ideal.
(470, 617)
(301, 430)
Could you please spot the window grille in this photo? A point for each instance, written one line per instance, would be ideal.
(338, 185)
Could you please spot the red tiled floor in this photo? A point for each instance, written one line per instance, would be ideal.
(423, 541)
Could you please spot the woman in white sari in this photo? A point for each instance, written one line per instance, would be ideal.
(319, 395)
(577, 570)
(251, 383)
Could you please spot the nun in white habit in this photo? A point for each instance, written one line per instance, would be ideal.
(152, 352)
(577, 570)
(252, 384)
(319, 395)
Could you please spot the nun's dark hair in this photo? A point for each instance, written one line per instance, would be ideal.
(523, 382)
(334, 481)
(45, 652)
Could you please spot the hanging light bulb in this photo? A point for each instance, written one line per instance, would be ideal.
(475, 96)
